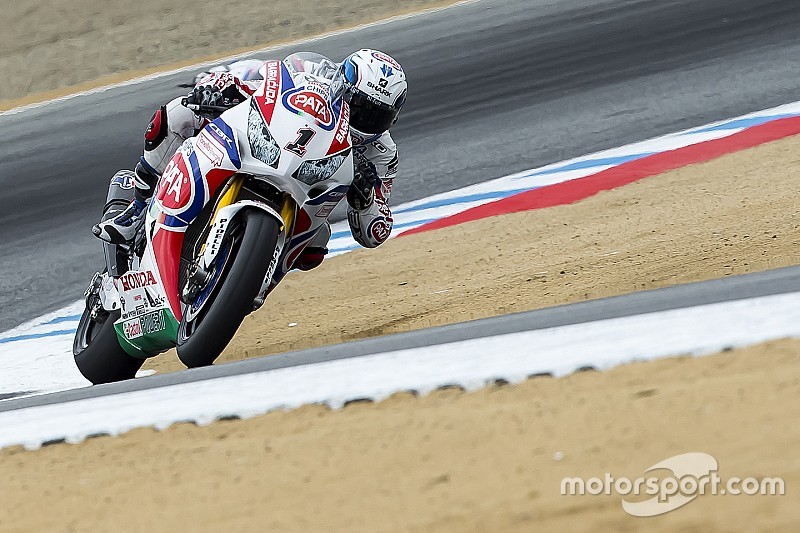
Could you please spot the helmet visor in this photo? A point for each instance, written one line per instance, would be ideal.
(368, 115)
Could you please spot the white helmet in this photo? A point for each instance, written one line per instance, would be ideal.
(375, 86)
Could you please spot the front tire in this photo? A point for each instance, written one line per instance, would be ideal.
(97, 352)
(202, 340)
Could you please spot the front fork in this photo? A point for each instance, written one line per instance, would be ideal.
(288, 215)
(199, 272)
(202, 269)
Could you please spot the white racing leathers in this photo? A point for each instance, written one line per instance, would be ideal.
(371, 226)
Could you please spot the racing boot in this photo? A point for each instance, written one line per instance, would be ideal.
(122, 228)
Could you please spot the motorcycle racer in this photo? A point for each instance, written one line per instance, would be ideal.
(374, 86)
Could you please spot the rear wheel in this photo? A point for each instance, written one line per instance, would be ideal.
(250, 247)
(97, 352)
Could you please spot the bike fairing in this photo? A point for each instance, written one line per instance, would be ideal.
(190, 179)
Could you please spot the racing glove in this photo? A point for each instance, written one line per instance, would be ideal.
(214, 94)
(361, 193)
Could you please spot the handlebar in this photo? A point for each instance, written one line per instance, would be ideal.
(203, 108)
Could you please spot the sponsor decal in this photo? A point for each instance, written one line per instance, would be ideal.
(379, 88)
(271, 83)
(268, 94)
(153, 322)
(132, 328)
(134, 280)
(312, 104)
(140, 309)
(186, 148)
(208, 147)
(273, 265)
(380, 230)
(124, 180)
(156, 301)
(219, 232)
(325, 210)
(219, 134)
(175, 190)
(220, 131)
(380, 56)
(341, 139)
(387, 71)
(315, 86)
(144, 325)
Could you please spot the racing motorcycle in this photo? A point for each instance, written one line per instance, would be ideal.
(233, 210)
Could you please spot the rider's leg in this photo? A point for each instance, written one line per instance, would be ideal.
(122, 228)
(169, 127)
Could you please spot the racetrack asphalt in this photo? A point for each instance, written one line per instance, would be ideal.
(771, 282)
(496, 87)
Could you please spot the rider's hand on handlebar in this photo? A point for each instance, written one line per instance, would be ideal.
(213, 94)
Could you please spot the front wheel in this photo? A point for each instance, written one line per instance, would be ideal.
(97, 352)
(251, 247)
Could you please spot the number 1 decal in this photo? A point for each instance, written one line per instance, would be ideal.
(304, 136)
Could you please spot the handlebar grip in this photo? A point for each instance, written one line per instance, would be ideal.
(203, 108)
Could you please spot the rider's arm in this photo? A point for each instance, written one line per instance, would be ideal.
(171, 125)
(371, 221)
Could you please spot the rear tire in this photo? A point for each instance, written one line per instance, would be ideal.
(98, 354)
(202, 340)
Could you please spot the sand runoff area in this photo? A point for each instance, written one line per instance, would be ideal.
(491, 460)
(55, 48)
